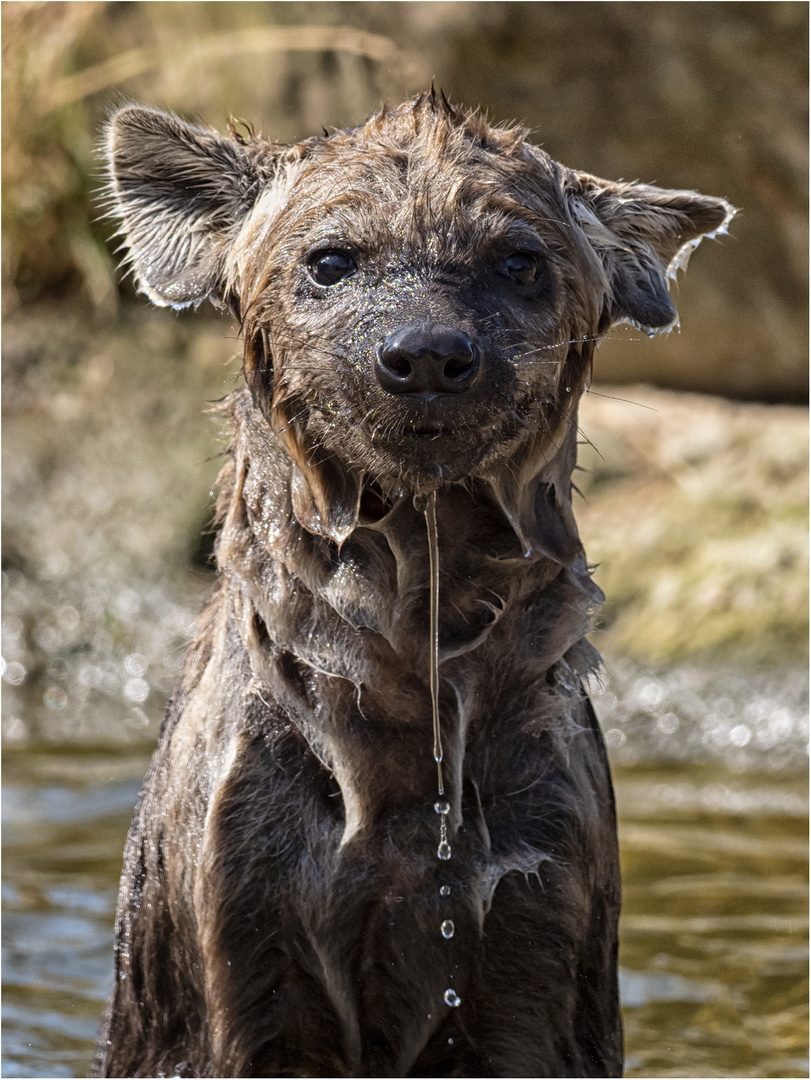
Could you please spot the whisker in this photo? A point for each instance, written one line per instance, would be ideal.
(628, 401)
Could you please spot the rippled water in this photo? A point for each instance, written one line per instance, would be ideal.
(714, 853)
(715, 922)
(65, 813)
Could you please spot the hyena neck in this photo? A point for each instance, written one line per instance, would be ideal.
(336, 631)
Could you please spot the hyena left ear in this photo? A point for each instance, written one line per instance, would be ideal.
(182, 192)
(642, 235)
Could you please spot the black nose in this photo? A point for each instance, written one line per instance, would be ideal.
(427, 358)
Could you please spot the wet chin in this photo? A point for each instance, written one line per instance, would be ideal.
(411, 460)
(419, 460)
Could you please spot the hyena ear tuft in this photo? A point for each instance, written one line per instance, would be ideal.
(642, 235)
(182, 192)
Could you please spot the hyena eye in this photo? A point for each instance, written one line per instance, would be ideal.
(331, 266)
(522, 266)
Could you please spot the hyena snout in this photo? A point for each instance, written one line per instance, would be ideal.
(428, 358)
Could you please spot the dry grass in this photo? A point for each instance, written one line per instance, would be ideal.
(65, 63)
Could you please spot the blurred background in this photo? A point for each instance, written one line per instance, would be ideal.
(695, 481)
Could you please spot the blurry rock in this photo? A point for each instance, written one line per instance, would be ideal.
(695, 512)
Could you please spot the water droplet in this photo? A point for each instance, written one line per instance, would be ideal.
(55, 697)
(447, 928)
(443, 851)
(445, 890)
(450, 1041)
(14, 673)
(136, 690)
(452, 999)
(442, 807)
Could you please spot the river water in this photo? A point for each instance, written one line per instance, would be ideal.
(712, 798)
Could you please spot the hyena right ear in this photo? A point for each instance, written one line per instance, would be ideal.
(182, 192)
(642, 235)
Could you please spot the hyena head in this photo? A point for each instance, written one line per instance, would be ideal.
(419, 296)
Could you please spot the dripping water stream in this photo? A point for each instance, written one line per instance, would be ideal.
(441, 806)
(433, 563)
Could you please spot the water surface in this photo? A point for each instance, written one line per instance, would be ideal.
(714, 927)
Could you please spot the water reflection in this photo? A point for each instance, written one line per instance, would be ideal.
(714, 930)
(715, 921)
(63, 811)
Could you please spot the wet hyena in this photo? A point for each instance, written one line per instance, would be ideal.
(419, 299)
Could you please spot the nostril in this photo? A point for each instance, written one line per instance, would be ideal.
(396, 363)
(458, 367)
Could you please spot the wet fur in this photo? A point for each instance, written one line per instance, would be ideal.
(279, 909)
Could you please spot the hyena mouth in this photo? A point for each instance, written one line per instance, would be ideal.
(439, 435)
(429, 432)
(434, 418)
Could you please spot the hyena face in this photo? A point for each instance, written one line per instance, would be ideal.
(419, 296)
(405, 307)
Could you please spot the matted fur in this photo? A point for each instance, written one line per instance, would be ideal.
(279, 909)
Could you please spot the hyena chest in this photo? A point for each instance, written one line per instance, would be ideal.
(379, 933)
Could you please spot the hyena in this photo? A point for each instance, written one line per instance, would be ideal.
(378, 834)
